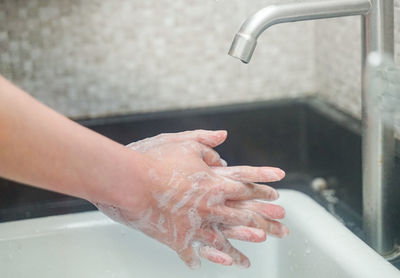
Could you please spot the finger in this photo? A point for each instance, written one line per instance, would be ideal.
(249, 174)
(227, 189)
(210, 156)
(238, 257)
(208, 138)
(238, 217)
(252, 191)
(243, 233)
(215, 238)
(190, 257)
(264, 209)
(215, 255)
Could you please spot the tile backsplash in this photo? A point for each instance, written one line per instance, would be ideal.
(88, 58)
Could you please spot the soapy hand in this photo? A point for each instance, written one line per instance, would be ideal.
(193, 203)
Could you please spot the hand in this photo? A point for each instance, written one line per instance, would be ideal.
(192, 203)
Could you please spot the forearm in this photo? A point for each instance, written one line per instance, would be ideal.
(40, 147)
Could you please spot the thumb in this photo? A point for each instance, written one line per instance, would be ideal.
(209, 138)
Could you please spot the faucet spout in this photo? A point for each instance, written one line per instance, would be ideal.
(245, 40)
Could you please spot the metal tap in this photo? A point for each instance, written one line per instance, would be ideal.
(378, 138)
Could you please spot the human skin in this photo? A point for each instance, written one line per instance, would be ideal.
(173, 187)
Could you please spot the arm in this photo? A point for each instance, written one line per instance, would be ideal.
(40, 147)
(172, 187)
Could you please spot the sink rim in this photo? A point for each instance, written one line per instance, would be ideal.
(331, 236)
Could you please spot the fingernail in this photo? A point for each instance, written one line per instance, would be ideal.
(283, 213)
(244, 264)
(285, 231)
(281, 173)
(276, 197)
(278, 174)
(195, 264)
(227, 262)
(273, 174)
(223, 163)
(222, 133)
(259, 234)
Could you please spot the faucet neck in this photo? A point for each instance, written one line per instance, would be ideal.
(378, 28)
(378, 136)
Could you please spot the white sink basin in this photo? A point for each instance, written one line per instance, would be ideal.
(91, 245)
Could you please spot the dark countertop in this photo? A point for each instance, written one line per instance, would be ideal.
(290, 134)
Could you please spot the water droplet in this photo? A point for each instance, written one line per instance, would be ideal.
(307, 252)
(290, 253)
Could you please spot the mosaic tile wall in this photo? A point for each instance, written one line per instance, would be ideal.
(88, 58)
(95, 57)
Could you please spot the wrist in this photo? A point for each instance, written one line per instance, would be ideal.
(130, 188)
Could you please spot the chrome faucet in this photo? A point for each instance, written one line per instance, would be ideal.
(378, 139)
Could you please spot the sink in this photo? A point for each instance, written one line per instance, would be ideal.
(90, 245)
